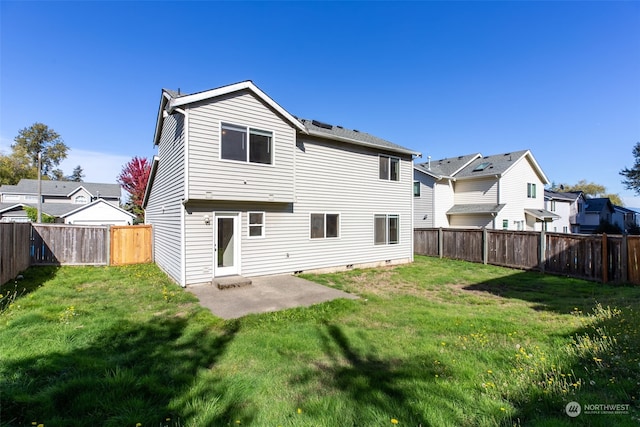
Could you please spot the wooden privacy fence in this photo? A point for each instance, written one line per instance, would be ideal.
(25, 244)
(593, 257)
(131, 244)
(14, 249)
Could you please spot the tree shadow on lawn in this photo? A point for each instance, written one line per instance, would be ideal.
(378, 389)
(32, 278)
(602, 357)
(558, 293)
(128, 375)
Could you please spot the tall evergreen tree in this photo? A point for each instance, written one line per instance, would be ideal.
(632, 176)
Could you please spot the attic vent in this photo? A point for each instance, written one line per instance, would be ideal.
(321, 124)
(459, 157)
(356, 130)
(507, 154)
(339, 127)
(481, 166)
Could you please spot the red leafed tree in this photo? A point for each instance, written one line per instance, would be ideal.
(133, 178)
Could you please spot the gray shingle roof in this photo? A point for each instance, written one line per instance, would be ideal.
(448, 166)
(497, 164)
(542, 214)
(340, 133)
(477, 208)
(61, 188)
(598, 204)
(556, 195)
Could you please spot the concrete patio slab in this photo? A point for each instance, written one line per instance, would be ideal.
(265, 294)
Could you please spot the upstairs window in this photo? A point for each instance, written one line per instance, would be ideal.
(416, 189)
(245, 144)
(531, 190)
(389, 168)
(80, 200)
(553, 206)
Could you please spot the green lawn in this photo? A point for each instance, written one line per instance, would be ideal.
(434, 343)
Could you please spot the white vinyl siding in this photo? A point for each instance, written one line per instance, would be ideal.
(471, 191)
(513, 193)
(214, 178)
(287, 246)
(164, 207)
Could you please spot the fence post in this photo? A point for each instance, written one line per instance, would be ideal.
(605, 258)
(624, 259)
(485, 246)
(440, 243)
(543, 250)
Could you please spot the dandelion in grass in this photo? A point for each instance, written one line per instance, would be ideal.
(238, 422)
(138, 424)
(394, 421)
(299, 411)
(489, 371)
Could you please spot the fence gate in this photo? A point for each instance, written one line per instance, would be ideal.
(130, 244)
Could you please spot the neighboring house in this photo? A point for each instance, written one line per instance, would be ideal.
(626, 219)
(67, 201)
(502, 191)
(569, 206)
(242, 187)
(596, 210)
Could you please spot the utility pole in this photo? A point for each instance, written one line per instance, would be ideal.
(39, 219)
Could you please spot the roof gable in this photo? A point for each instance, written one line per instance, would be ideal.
(448, 167)
(499, 164)
(172, 101)
(94, 203)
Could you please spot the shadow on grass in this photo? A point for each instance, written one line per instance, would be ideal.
(602, 358)
(130, 374)
(557, 293)
(376, 389)
(28, 281)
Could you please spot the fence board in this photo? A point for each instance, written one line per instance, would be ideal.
(462, 244)
(633, 259)
(131, 244)
(426, 242)
(57, 244)
(516, 249)
(14, 249)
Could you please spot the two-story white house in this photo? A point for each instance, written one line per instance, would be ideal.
(501, 191)
(242, 187)
(82, 203)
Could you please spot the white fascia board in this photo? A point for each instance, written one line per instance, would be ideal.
(213, 93)
(88, 205)
(362, 143)
(477, 156)
(164, 99)
(78, 189)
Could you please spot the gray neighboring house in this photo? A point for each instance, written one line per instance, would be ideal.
(242, 187)
(596, 210)
(500, 191)
(69, 202)
(626, 219)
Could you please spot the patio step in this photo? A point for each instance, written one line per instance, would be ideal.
(229, 282)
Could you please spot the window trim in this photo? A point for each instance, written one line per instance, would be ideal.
(248, 129)
(389, 159)
(531, 190)
(387, 217)
(416, 193)
(261, 225)
(324, 221)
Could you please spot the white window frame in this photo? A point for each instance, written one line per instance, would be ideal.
(262, 225)
(77, 202)
(387, 220)
(416, 184)
(531, 190)
(388, 177)
(324, 221)
(248, 131)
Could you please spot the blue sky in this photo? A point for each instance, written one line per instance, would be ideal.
(444, 78)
